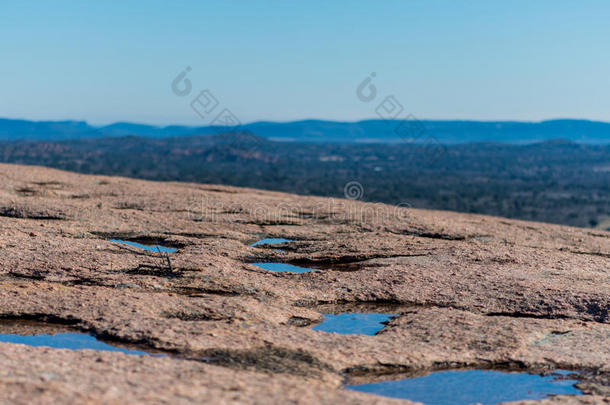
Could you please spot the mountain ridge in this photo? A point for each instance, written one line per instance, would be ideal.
(324, 131)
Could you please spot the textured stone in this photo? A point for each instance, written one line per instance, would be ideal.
(471, 291)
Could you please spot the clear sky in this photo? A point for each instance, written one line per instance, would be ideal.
(110, 60)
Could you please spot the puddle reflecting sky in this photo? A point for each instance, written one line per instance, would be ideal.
(153, 248)
(41, 334)
(463, 387)
(72, 341)
(270, 241)
(282, 267)
(353, 323)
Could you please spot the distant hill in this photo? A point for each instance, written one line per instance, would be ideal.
(44, 130)
(317, 131)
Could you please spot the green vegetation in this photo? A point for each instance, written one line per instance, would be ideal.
(558, 182)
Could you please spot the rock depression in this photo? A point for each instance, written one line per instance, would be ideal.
(470, 291)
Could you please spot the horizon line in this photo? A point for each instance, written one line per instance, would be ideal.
(98, 126)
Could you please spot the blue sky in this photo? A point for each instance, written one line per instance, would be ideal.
(281, 60)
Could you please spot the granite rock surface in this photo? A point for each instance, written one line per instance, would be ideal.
(471, 291)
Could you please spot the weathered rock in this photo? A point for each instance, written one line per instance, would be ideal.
(472, 291)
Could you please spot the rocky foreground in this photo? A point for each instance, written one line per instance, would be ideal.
(473, 292)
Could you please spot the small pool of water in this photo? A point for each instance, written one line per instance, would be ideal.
(464, 387)
(282, 267)
(270, 241)
(150, 248)
(72, 341)
(353, 323)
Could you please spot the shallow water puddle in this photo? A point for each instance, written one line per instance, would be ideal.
(353, 323)
(282, 267)
(270, 241)
(38, 334)
(72, 341)
(278, 267)
(153, 248)
(463, 387)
